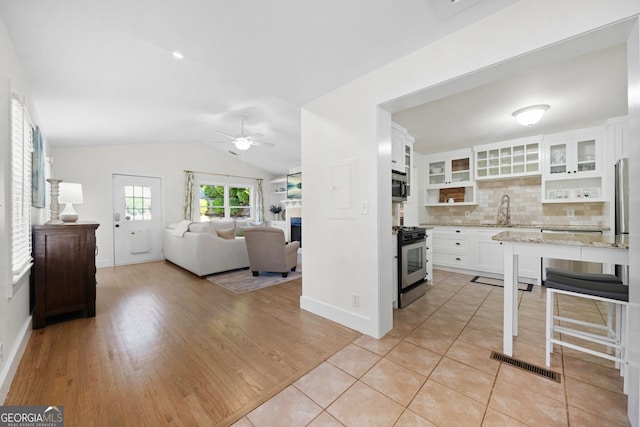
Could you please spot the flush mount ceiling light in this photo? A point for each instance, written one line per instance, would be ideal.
(177, 55)
(529, 116)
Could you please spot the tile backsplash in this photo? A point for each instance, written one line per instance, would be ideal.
(526, 208)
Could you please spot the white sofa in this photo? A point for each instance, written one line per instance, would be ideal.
(201, 251)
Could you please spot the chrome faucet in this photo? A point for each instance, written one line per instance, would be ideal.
(504, 212)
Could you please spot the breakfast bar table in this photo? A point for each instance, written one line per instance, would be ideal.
(569, 246)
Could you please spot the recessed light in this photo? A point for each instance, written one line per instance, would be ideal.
(177, 54)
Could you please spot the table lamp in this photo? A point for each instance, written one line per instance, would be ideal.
(70, 193)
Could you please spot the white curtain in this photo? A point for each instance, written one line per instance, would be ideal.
(189, 188)
(259, 202)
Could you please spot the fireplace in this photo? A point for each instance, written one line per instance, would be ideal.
(296, 229)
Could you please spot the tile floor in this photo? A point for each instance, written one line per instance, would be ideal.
(433, 369)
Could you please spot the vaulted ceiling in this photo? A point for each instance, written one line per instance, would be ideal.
(103, 72)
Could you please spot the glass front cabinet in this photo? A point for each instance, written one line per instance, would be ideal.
(573, 167)
(449, 178)
(577, 156)
(452, 169)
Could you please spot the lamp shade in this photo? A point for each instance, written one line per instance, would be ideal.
(70, 193)
(529, 116)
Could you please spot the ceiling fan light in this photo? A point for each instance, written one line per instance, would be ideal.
(242, 144)
(529, 116)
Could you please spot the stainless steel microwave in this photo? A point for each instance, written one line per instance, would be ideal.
(399, 187)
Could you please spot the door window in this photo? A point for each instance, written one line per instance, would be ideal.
(137, 203)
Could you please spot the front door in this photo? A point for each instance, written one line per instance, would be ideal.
(137, 219)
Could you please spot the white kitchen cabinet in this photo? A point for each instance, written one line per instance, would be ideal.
(449, 179)
(451, 247)
(573, 155)
(487, 256)
(451, 169)
(509, 159)
(471, 250)
(429, 252)
(397, 148)
(573, 167)
(408, 160)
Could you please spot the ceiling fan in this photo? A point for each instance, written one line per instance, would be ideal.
(243, 142)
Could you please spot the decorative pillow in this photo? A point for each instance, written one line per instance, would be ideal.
(198, 227)
(221, 224)
(227, 234)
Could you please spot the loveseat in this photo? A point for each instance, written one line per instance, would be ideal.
(199, 247)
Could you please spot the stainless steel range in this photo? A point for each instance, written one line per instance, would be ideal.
(412, 264)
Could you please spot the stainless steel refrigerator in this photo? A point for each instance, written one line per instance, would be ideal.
(622, 209)
(622, 196)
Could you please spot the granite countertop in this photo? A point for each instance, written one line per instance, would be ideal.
(551, 227)
(566, 239)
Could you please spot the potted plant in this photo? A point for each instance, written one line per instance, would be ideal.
(275, 210)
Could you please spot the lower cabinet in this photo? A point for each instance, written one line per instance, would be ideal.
(63, 276)
(451, 247)
(472, 250)
(488, 256)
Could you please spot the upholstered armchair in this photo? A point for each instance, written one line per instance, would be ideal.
(268, 251)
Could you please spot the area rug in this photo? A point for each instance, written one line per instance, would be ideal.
(526, 287)
(242, 281)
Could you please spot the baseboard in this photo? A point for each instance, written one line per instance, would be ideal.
(339, 315)
(13, 360)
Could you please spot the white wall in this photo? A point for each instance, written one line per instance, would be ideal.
(14, 310)
(350, 257)
(93, 168)
(633, 67)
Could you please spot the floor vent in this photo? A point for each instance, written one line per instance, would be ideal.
(546, 373)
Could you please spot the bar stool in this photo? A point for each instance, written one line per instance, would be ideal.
(606, 288)
(592, 277)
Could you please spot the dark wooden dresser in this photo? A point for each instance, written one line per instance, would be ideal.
(63, 276)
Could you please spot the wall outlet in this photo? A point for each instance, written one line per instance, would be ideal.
(467, 214)
(355, 300)
(571, 212)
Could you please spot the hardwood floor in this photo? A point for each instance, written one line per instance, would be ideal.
(168, 348)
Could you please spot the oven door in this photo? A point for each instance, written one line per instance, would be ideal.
(413, 263)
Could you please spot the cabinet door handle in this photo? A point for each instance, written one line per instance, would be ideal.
(457, 243)
(457, 231)
(457, 259)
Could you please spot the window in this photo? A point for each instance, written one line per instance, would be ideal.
(225, 201)
(21, 149)
(137, 202)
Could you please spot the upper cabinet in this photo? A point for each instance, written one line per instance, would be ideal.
(521, 157)
(572, 156)
(402, 152)
(397, 149)
(401, 149)
(449, 178)
(573, 167)
(451, 169)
